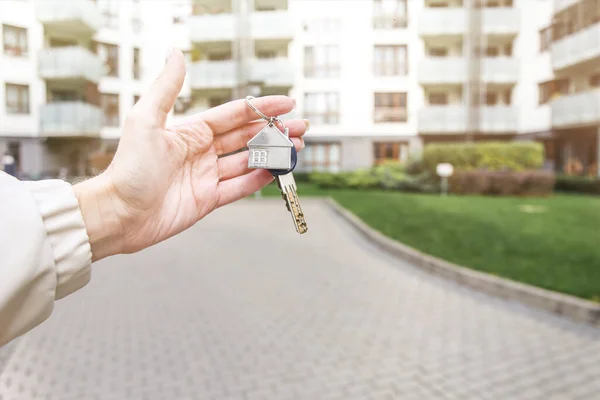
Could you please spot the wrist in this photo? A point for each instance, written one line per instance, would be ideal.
(96, 202)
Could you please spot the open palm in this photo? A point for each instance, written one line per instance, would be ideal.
(164, 179)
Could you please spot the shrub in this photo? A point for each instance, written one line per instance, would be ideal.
(576, 184)
(504, 183)
(492, 156)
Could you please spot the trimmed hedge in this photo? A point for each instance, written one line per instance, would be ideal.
(491, 156)
(390, 176)
(502, 183)
(576, 184)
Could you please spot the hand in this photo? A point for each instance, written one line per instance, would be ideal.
(162, 179)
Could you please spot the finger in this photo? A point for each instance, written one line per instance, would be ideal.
(237, 138)
(161, 97)
(242, 186)
(237, 164)
(236, 113)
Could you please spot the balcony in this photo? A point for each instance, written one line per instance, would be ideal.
(454, 119)
(500, 70)
(455, 21)
(212, 28)
(442, 70)
(213, 75)
(443, 21)
(583, 46)
(73, 18)
(264, 25)
(272, 25)
(70, 63)
(576, 109)
(501, 21)
(70, 119)
(272, 72)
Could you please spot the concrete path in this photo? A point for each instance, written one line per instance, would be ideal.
(241, 307)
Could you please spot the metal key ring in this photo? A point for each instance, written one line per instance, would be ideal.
(270, 120)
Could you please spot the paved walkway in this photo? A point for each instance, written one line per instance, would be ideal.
(257, 312)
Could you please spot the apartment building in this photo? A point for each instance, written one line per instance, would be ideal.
(572, 42)
(378, 79)
(69, 71)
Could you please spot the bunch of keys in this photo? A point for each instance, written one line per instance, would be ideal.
(273, 150)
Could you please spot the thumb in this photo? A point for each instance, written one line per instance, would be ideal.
(161, 97)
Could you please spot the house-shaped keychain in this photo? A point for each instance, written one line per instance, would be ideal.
(270, 149)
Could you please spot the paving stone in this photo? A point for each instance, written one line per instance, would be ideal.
(257, 311)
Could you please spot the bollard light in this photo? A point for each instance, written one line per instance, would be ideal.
(444, 170)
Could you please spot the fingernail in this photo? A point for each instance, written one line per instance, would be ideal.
(293, 108)
(307, 122)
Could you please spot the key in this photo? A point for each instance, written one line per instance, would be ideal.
(287, 185)
(273, 150)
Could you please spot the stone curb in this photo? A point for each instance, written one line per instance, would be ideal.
(569, 306)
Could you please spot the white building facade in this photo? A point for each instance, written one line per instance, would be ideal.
(378, 79)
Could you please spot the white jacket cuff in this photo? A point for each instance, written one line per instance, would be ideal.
(66, 234)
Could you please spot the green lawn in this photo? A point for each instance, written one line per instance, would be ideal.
(552, 242)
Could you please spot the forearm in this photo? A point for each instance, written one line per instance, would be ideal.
(97, 206)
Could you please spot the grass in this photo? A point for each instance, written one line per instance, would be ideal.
(553, 243)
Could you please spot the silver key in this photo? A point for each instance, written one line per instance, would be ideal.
(287, 185)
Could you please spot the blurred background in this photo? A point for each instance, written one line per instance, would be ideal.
(378, 79)
(505, 91)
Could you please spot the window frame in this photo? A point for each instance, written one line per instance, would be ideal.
(23, 103)
(21, 35)
(383, 107)
(382, 66)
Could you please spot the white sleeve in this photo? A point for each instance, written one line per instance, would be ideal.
(44, 251)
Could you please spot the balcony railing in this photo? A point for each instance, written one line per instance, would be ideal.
(442, 119)
(276, 72)
(211, 28)
(272, 25)
(500, 70)
(455, 21)
(68, 119)
(454, 119)
(273, 72)
(74, 17)
(576, 109)
(501, 20)
(70, 63)
(443, 70)
(221, 27)
(576, 48)
(213, 74)
(443, 21)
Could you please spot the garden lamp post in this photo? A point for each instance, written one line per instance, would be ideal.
(444, 170)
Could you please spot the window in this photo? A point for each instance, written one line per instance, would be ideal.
(109, 10)
(389, 151)
(181, 11)
(136, 63)
(322, 25)
(17, 99)
(322, 61)
(259, 157)
(574, 18)
(109, 53)
(266, 54)
(595, 80)
(322, 108)
(217, 101)
(136, 99)
(545, 38)
(322, 157)
(438, 51)
(437, 98)
(552, 89)
(15, 41)
(491, 98)
(390, 107)
(110, 106)
(390, 60)
(389, 14)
